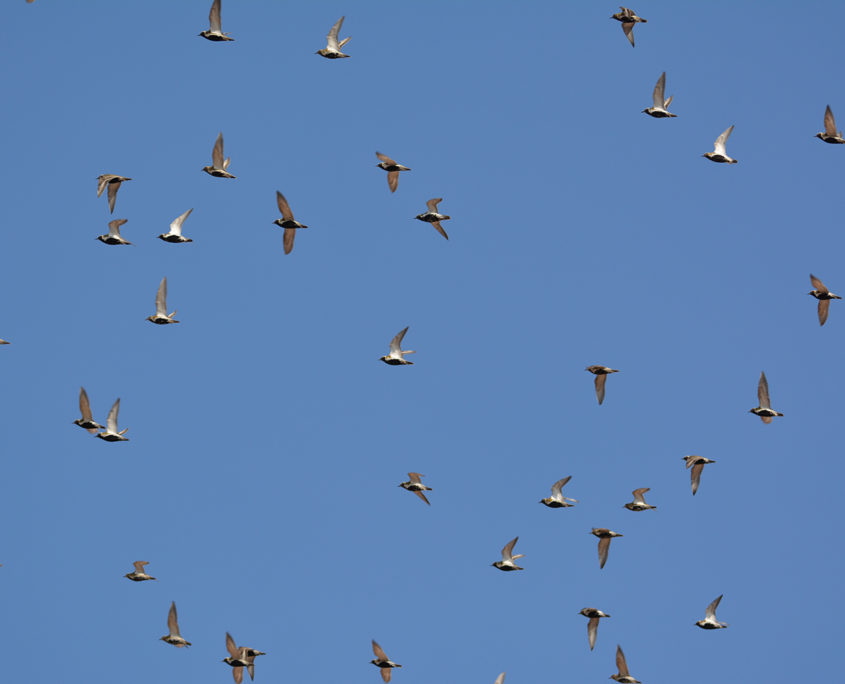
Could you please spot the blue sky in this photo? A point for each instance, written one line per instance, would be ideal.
(266, 438)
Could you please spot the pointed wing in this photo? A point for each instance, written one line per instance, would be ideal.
(507, 551)
(818, 284)
(161, 298)
(284, 207)
(763, 392)
(695, 476)
(176, 226)
(344, 41)
(288, 238)
(423, 497)
(415, 477)
(396, 342)
(113, 188)
(111, 421)
(84, 406)
(102, 181)
(379, 651)
(226, 163)
(829, 122)
(432, 204)
(721, 141)
(668, 102)
(824, 308)
(638, 494)
(332, 37)
(604, 547)
(251, 669)
(557, 486)
(217, 153)
(214, 17)
(592, 628)
(238, 674)
(500, 679)
(440, 229)
(392, 180)
(234, 651)
(658, 95)
(114, 226)
(710, 613)
(385, 158)
(385, 674)
(139, 565)
(600, 380)
(172, 620)
(621, 665)
(628, 28)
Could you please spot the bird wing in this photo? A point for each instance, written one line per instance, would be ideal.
(658, 95)
(214, 17)
(234, 651)
(84, 406)
(423, 497)
(668, 102)
(113, 188)
(392, 180)
(176, 226)
(217, 153)
(415, 477)
(695, 476)
(161, 298)
(385, 158)
(396, 342)
(721, 141)
(507, 551)
(111, 420)
(238, 674)
(379, 651)
(102, 182)
(432, 204)
(638, 494)
(763, 392)
(284, 207)
(500, 679)
(173, 620)
(332, 37)
(385, 674)
(604, 547)
(710, 613)
(592, 628)
(628, 28)
(621, 665)
(824, 309)
(600, 380)
(557, 486)
(440, 229)
(114, 226)
(829, 122)
(818, 284)
(139, 565)
(288, 238)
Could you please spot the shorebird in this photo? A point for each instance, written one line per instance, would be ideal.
(113, 236)
(175, 232)
(215, 31)
(592, 626)
(623, 677)
(383, 662)
(240, 657)
(113, 182)
(601, 373)
(764, 410)
(604, 535)
(414, 485)
(710, 621)
(396, 357)
(660, 108)
(161, 317)
(639, 504)
(139, 576)
(110, 434)
(4, 342)
(431, 216)
(557, 499)
(392, 169)
(332, 49)
(507, 563)
(697, 463)
(830, 135)
(824, 296)
(218, 164)
(628, 18)
(719, 154)
(173, 636)
(287, 222)
(87, 421)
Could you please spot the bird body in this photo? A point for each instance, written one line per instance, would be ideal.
(175, 232)
(173, 636)
(592, 626)
(697, 464)
(161, 317)
(381, 661)
(764, 410)
(240, 657)
(139, 574)
(623, 676)
(604, 535)
(112, 182)
(830, 134)
(628, 18)
(218, 163)
(393, 168)
(433, 217)
(719, 153)
(87, 421)
(332, 49)
(660, 108)
(396, 357)
(601, 373)
(507, 563)
(214, 31)
(710, 621)
(113, 236)
(639, 504)
(824, 296)
(416, 486)
(557, 499)
(288, 222)
(111, 434)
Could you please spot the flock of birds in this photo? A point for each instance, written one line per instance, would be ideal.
(241, 657)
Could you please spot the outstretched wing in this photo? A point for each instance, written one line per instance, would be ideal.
(217, 153)
(214, 17)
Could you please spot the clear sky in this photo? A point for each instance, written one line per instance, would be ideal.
(267, 440)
